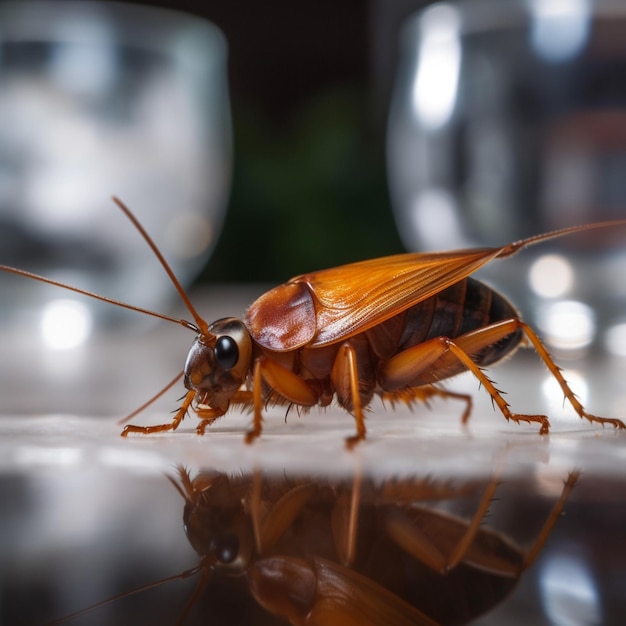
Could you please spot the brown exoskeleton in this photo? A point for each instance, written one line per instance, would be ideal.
(393, 327)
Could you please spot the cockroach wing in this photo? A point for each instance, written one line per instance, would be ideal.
(345, 597)
(356, 297)
(324, 307)
(324, 593)
(283, 318)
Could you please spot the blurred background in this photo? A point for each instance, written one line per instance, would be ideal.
(285, 138)
(310, 86)
(267, 121)
(258, 140)
(248, 139)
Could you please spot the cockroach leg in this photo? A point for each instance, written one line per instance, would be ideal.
(459, 552)
(173, 425)
(257, 400)
(416, 364)
(284, 383)
(506, 327)
(416, 395)
(255, 510)
(421, 361)
(411, 539)
(495, 394)
(207, 417)
(555, 370)
(463, 397)
(345, 377)
(557, 509)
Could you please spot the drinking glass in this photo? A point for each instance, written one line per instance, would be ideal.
(100, 99)
(509, 119)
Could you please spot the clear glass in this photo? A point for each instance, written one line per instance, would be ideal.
(507, 121)
(100, 99)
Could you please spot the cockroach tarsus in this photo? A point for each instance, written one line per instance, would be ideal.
(393, 327)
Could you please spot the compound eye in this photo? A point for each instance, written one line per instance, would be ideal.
(226, 548)
(226, 352)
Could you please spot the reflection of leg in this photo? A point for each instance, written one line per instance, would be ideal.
(345, 521)
(536, 548)
(269, 528)
(407, 534)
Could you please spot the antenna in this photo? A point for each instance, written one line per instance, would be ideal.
(512, 248)
(200, 323)
(84, 292)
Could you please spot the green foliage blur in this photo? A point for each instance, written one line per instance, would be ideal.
(308, 192)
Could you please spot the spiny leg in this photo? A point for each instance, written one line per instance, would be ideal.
(495, 394)
(409, 537)
(501, 329)
(412, 395)
(555, 370)
(257, 401)
(431, 359)
(345, 520)
(173, 425)
(270, 525)
(353, 520)
(207, 417)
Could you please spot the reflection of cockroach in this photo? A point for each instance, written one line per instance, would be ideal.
(394, 327)
(316, 553)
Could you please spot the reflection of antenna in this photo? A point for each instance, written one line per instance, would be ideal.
(126, 594)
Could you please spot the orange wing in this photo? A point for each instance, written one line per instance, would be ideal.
(355, 297)
(324, 307)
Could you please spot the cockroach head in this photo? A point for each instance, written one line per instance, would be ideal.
(219, 361)
(215, 521)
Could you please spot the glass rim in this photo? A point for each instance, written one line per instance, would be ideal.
(475, 16)
(140, 26)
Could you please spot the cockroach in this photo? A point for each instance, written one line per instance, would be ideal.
(394, 327)
(317, 552)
